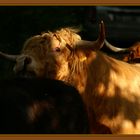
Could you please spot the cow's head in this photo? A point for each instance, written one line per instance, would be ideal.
(44, 54)
(47, 55)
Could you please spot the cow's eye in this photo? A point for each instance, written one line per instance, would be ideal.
(57, 49)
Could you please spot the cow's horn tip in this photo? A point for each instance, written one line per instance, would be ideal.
(102, 22)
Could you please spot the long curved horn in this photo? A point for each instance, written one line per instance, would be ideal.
(8, 56)
(94, 45)
(101, 36)
(114, 48)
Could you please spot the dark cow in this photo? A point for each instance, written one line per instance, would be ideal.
(31, 106)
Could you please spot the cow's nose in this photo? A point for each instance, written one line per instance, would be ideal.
(21, 63)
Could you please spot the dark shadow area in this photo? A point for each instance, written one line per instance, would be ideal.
(41, 106)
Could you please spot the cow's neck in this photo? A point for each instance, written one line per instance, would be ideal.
(77, 71)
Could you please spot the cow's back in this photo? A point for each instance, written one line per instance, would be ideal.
(115, 94)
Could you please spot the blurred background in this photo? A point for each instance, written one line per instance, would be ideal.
(18, 23)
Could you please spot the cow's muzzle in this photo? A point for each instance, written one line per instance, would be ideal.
(21, 65)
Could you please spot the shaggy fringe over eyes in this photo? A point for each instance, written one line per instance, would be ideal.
(69, 35)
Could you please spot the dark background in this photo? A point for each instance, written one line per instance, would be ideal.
(17, 23)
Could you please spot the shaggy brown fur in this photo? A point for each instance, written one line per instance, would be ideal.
(108, 86)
